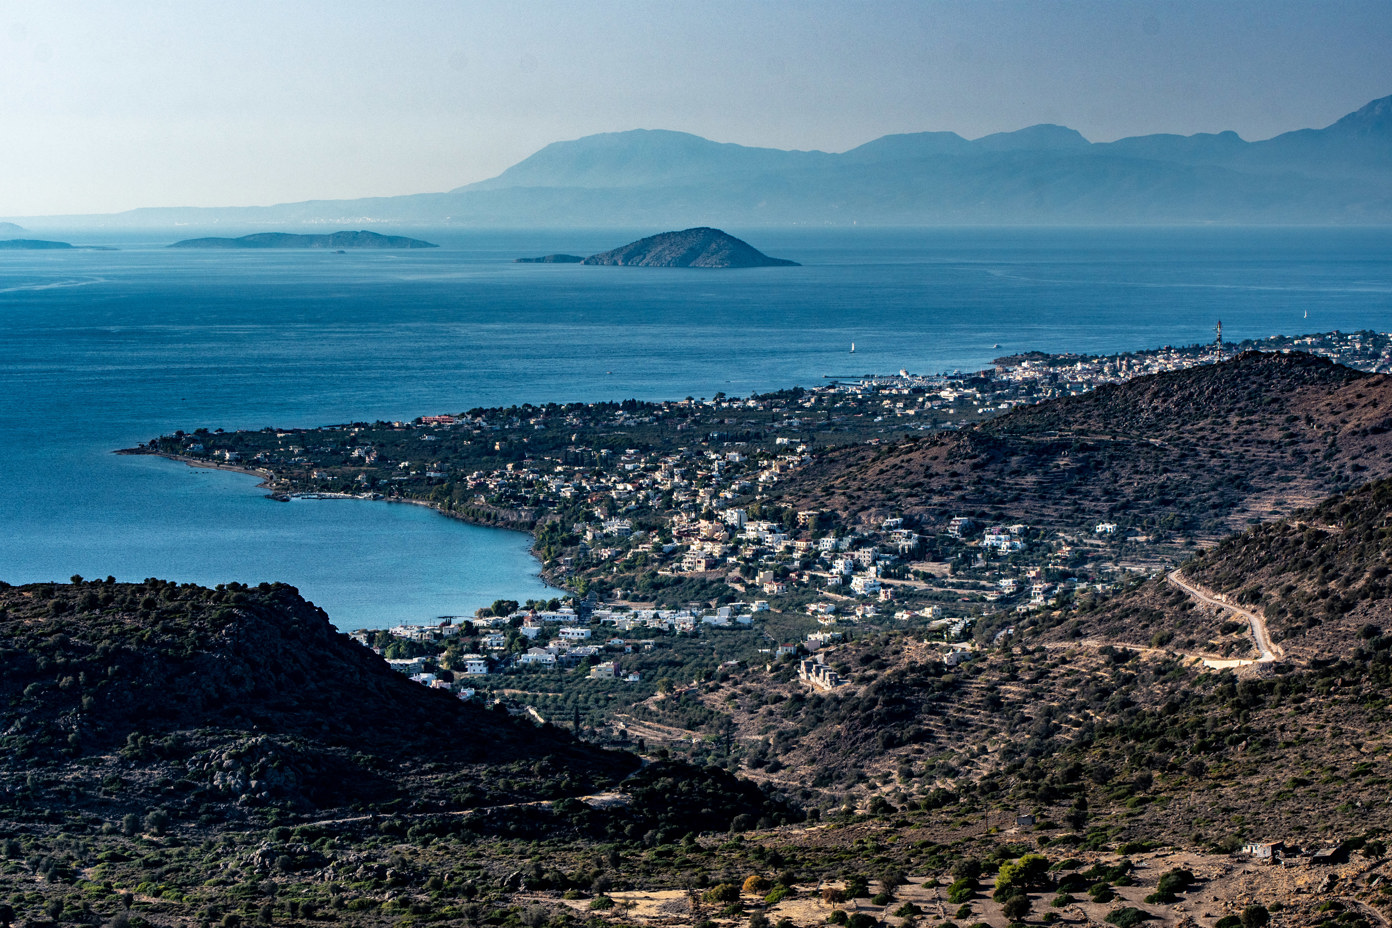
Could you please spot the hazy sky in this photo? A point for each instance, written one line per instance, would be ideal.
(110, 105)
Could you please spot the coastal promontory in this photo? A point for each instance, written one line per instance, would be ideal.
(291, 240)
(699, 247)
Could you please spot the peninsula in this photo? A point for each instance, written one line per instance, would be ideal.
(290, 240)
(1015, 632)
(702, 247)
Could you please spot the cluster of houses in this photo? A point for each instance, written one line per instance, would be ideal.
(561, 638)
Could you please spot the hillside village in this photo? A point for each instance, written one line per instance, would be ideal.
(680, 540)
(670, 511)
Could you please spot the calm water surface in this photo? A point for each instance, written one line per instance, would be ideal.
(101, 350)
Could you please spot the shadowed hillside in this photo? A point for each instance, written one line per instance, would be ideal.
(194, 698)
(1196, 453)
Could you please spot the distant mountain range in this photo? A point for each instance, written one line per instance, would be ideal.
(1044, 174)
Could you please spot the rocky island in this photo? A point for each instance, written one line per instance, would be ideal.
(701, 247)
(292, 240)
(550, 259)
(32, 244)
(38, 244)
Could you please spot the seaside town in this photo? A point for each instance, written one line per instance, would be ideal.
(673, 557)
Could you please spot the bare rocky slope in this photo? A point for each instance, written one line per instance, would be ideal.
(1196, 453)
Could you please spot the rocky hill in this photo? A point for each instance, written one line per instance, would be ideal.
(136, 696)
(1192, 454)
(288, 240)
(1318, 578)
(701, 247)
(1102, 699)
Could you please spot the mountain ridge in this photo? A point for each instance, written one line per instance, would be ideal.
(1043, 174)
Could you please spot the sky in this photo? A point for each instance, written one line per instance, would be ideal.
(106, 106)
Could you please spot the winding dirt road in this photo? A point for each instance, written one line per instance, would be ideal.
(1268, 649)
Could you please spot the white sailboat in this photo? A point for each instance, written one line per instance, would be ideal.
(852, 347)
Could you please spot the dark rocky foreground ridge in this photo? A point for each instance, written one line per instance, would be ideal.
(700, 247)
(290, 240)
(202, 701)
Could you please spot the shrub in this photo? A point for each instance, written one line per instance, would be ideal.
(861, 920)
(1126, 917)
(961, 891)
(1175, 881)
(1254, 916)
(839, 917)
(601, 903)
(756, 885)
(722, 892)
(1016, 907)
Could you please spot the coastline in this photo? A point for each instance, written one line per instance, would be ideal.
(265, 475)
(269, 482)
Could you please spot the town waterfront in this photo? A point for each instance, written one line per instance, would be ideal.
(106, 349)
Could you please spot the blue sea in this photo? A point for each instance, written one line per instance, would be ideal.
(101, 350)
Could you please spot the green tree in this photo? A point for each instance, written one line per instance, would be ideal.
(1019, 876)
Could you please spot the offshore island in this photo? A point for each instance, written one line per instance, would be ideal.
(700, 248)
(291, 240)
(1071, 639)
